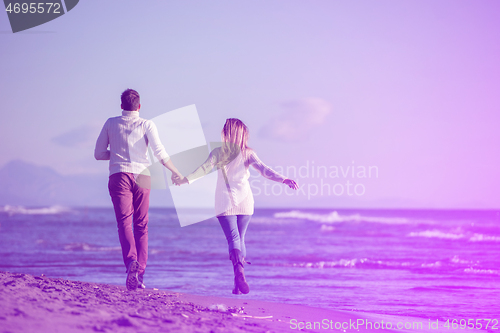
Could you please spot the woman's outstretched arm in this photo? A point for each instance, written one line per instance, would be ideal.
(201, 171)
(291, 184)
(269, 173)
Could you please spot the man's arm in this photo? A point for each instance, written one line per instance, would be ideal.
(101, 151)
(176, 175)
(154, 142)
(159, 151)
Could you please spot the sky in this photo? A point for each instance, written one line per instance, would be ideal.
(406, 89)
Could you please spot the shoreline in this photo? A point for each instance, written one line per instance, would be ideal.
(40, 304)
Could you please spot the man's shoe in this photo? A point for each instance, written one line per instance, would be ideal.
(132, 278)
(141, 284)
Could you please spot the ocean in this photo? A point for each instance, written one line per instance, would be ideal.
(434, 264)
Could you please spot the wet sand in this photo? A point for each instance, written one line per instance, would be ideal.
(40, 304)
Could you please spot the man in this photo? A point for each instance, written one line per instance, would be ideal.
(129, 184)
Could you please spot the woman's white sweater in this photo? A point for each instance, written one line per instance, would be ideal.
(233, 195)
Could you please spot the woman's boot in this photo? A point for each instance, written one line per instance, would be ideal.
(236, 291)
(240, 284)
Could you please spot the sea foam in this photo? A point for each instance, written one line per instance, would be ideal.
(13, 210)
(335, 217)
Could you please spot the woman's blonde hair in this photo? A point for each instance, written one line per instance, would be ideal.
(234, 140)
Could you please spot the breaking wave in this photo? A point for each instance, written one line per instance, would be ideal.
(447, 264)
(14, 210)
(87, 247)
(435, 234)
(482, 271)
(335, 217)
(454, 236)
(484, 238)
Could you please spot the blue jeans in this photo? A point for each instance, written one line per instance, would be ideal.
(235, 227)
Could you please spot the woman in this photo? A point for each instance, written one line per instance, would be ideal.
(234, 204)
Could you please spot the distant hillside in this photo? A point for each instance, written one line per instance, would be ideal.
(27, 184)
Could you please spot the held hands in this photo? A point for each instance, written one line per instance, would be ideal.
(184, 180)
(178, 179)
(291, 183)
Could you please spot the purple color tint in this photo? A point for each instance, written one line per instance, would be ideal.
(408, 86)
(430, 264)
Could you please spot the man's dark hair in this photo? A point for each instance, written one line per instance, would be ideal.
(130, 100)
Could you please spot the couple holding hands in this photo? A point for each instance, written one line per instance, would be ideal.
(124, 141)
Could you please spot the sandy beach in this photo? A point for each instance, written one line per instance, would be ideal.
(40, 304)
